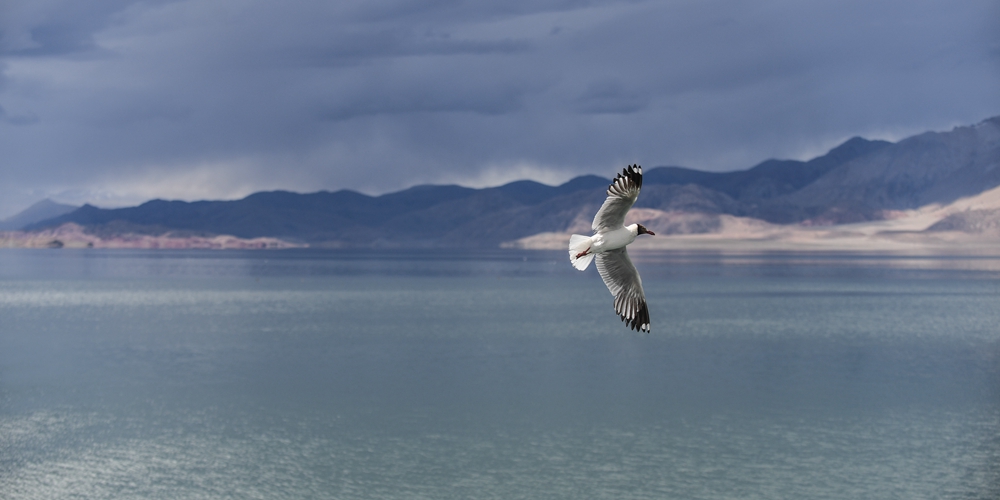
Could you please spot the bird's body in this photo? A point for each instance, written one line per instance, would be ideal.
(614, 239)
(607, 246)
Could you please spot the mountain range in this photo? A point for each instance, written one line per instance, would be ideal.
(859, 180)
(45, 209)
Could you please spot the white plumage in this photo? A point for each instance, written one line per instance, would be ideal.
(607, 246)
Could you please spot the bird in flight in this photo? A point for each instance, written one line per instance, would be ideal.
(607, 246)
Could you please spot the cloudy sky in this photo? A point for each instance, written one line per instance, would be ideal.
(115, 102)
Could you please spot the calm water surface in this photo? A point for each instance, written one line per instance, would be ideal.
(301, 374)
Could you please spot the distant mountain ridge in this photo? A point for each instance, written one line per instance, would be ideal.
(767, 179)
(933, 167)
(418, 215)
(858, 180)
(42, 210)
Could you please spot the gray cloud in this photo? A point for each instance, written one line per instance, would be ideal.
(611, 96)
(116, 101)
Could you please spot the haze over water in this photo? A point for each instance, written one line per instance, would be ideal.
(306, 374)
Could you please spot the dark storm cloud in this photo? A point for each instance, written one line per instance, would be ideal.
(118, 101)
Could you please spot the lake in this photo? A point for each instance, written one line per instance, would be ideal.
(434, 375)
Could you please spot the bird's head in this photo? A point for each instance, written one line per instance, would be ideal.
(643, 230)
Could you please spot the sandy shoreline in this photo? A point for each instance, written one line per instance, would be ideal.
(905, 231)
(74, 236)
(951, 242)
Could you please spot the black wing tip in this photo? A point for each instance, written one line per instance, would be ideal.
(640, 322)
(631, 174)
(634, 174)
(637, 324)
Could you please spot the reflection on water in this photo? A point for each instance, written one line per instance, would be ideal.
(105, 264)
(503, 375)
(914, 455)
(980, 263)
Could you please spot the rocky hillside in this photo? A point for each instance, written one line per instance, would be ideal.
(934, 167)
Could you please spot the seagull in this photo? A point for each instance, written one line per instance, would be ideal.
(607, 245)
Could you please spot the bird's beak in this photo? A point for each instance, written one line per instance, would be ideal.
(650, 233)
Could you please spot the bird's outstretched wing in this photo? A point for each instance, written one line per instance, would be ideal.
(621, 195)
(623, 281)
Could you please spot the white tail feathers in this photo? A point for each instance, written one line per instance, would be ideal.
(577, 245)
